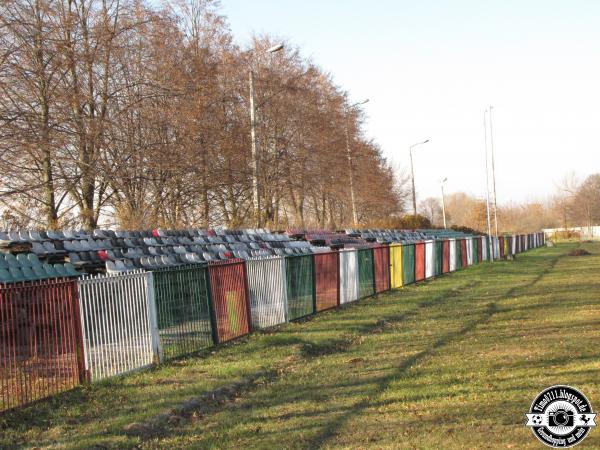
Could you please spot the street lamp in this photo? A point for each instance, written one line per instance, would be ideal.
(444, 202)
(255, 156)
(349, 154)
(412, 172)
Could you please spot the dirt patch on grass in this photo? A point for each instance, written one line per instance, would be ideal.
(579, 252)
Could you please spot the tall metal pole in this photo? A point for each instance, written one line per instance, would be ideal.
(412, 176)
(487, 188)
(444, 206)
(351, 171)
(255, 162)
(493, 172)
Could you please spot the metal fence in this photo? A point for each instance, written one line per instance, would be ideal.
(230, 302)
(182, 310)
(327, 285)
(381, 262)
(40, 341)
(118, 320)
(300, 286)
(348, 276)
(268, 291)
(429, 259)
(419, 261)
(366, 273)
(396, 274)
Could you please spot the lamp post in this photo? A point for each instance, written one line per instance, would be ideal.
(255, 156)
(487, 187)
(493, 172)
(412, 172)
(444, 202)
(349, 154)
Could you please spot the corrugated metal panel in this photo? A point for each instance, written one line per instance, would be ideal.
(230, 299)
(348, 276)
(429, 259)
(479, 253)
(445, 256)
(501, 246)
(463, 253)
(300, 286)
(40, 341)
(327, 285)
(419, 261)
(454, 254)
(268, 291)
(396, 266)
(118, 315)
(484, 248)
(469, 242)
(366, 282)
(381, 259)
(182, 310)
(408, 263)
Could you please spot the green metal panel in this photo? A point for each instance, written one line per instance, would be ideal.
(300, 286)
(438, 258)
(475, 251)
(183, 310)
(408, 263)
(458, 254)
(366, 272)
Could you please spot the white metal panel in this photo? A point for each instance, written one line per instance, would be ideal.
(349, 282)
(118, 319)
(452, 245)
(469, 251)
(268, 291)
(484, 248)
(429, 259)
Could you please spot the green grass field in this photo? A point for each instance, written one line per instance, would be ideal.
(451, 363)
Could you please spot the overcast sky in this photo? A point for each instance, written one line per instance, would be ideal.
(430, 69)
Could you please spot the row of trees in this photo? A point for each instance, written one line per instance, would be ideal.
(575, 203)
(115, 112)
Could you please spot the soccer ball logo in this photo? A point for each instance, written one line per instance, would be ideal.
(537, 420)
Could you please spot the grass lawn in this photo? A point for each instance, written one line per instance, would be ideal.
(451, 363)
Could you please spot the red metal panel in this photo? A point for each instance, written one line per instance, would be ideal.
(501, 241)
(419, 261)
(463, 252)
(381, 261)
(479, 249)
(445, 256)
(40, 341)
(327, 286)
(230, 299)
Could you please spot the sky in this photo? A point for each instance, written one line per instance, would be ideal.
(430, 69)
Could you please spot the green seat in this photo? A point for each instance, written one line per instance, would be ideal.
(29, 274)
(5, 276)
(11, 260)
(16, 274)
(34, 260)
(70, 269)
(23, 260)
(40, 272)
(51, 271)
(60, 270)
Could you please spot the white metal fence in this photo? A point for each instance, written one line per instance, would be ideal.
(429, 259)
(118, 318)
(349, 282)
(268, 291)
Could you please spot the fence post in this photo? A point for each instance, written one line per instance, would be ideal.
(152, 317)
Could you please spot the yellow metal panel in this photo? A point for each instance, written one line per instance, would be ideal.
(396, 266)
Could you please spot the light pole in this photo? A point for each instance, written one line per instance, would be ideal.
(412, 172)
(487, 187)
(349, 154)
(493, 172)
(255, 156)
(444, 203)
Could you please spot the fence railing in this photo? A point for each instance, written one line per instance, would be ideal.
(58, 333)
(118, 320)
(40, 341)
